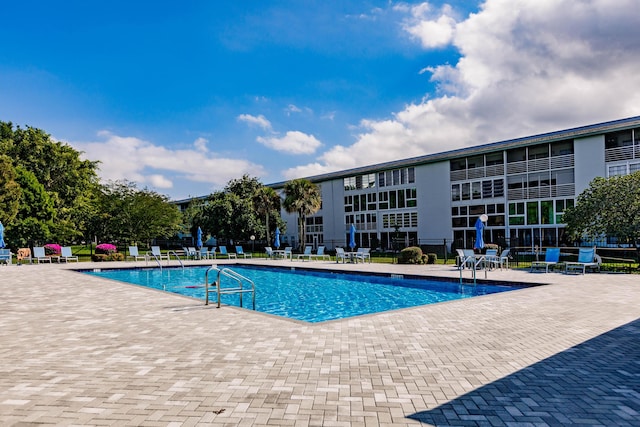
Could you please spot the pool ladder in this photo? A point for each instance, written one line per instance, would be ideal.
(216, 287)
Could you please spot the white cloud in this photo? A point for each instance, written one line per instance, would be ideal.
(294, 142)
(526, 67)
(156, 166)
(260, 121)
(433, 29)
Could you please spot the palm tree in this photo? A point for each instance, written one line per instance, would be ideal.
(302, 197)
(266, 200)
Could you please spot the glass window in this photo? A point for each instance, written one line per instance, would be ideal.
(458, 164)
(546, 212)
(516, 155)
(383, 200)
(618, 139)
(516, 220)
(487, 189)
(371, 201)
(617, 170)
(476, 190)
(396, 177)
(515, 182)
(466, 191)
(387, 178)
(380, 179)
(539, 151)
(401, 199)
(562, 148)
(498, 188)
(475, 162)
(412, 175)
(392, 200)
(562, 176)
(494, 159)
(455, 192)
(476, 210)
(634, 167)
(454, 211)
(532, 213)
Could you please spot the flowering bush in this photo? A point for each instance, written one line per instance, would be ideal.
(52, 249)
(106, 248)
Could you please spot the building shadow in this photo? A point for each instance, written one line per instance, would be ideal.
(594, 383)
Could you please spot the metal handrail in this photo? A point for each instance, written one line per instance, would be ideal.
(177, 257)
(231, 275)
(156, 258)
(477, 260)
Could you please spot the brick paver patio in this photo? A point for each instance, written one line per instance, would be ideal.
(81, 350)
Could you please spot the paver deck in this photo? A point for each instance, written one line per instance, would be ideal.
(82, 350)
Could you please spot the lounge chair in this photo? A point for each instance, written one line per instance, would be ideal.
(242, 253)
(66, 255)
(133, 253)
(551, 258)
(24, 254)
(223, 252)
(5, 256)
(39, 254)
(203, 253)
(499, 261)
(288, 253)
(466, 258)
(157, 254)
(363, 254)
(587, 258)
(269, 251)
(321, 255)
(189, 252)
(491, 258)
(307, 253)
(341, 255)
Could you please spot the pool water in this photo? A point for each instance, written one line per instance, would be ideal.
(310, 296)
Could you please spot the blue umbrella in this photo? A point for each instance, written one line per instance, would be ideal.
(479, 244)
(352, 236)
(276, 242)
(199, 238)
(2, 244)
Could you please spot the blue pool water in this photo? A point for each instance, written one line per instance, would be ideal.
(310, 296)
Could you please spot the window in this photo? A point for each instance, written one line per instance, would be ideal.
(617, 170)
(562, 177)
(498, 188)
(350, 183)
(487, 189)
(466, 191)
(539, 152)
(561, 148)
(516, 155)
(532, 213)
(371, 201)
(411, 172)
(383, 200)
(546, 212)
(411, 197)
(516, 213)
(348, 203)
(392, 200)
(476, 190)
(494, 159)
(401, 199)
(455, 192)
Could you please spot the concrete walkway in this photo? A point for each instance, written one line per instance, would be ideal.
(82, 350)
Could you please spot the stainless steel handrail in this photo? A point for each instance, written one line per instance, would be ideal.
(233, 276)
(177, 257)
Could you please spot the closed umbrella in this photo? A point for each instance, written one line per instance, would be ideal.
(199, 238)
(352, 236)
(276, 242)
(479, 244)
(2, 244)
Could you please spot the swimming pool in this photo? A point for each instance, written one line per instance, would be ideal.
(310, 296)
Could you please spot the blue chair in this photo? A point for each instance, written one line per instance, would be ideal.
(5, 256)
(551, 258)
(242, 253)
(587, 258)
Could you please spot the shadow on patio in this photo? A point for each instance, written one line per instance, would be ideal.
(594, 383)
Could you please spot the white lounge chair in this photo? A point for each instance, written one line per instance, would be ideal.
(321, 254)
(288, 253)
(223, 252)
(156, 253)
(587, 258)
(5, 256)
(269, 251)
(39, 254)
(551, 258)
(203, 253)
(363, 254)
(66, 254)
(307, 253)
(240, 252)
(341, 255)
(133, 253)
(466, 258)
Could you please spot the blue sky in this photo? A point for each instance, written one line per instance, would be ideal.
(181, 98)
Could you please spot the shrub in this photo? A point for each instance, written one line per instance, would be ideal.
(106, 248)
(114, 256)
(410, 255)
(432, 258)
(52, 249)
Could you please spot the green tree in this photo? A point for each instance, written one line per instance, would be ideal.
(267, 203)
(609, 207)
(10, 192)
(128, 214)
(68, 180)
(302, 197)
(36, 212)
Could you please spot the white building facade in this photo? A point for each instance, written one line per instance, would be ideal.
(522, 185)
